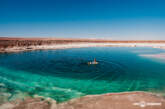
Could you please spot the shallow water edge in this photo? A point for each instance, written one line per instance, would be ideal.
(125, 100)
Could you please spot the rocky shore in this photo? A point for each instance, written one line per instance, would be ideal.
(126, 100)
(28, 44)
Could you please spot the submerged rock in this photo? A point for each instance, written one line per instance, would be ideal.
(4, 96)
(19, 95)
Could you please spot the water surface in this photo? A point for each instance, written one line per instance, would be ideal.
(65, 74)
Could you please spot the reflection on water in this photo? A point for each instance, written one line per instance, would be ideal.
(65, 74)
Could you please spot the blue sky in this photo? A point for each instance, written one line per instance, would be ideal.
(111, 19)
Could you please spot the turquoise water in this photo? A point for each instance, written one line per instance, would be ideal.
(65, 74)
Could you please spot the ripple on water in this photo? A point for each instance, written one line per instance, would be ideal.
(63, 76)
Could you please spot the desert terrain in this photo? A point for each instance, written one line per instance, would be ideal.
(28, 44)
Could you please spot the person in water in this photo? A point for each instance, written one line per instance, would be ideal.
(94, 62)
(94, 59)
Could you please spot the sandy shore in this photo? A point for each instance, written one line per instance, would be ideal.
(79, 45)
(158, 56)
(126, 100)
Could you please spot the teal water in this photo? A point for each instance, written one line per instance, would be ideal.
(64, 74)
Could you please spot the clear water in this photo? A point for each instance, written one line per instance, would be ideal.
(65, 74)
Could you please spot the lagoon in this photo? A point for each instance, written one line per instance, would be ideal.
(65, 74)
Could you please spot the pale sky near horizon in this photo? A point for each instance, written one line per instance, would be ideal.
(111, 19)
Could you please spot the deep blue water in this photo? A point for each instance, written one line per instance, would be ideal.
(65, 74)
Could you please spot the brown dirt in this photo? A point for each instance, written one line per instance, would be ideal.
(6, 42)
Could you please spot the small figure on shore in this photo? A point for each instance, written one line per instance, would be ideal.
(93, 62)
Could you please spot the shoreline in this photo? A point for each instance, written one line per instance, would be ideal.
(121, 100)
(156, 56)
(78, 45)
(8, 45)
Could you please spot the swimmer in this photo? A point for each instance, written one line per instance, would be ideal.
(94, 62)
